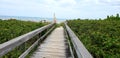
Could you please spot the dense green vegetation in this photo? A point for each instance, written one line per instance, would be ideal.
(12, 28)
(101, 37)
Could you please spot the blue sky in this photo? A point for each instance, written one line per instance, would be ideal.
(63, 8)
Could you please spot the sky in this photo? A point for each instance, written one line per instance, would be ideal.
(67, 9)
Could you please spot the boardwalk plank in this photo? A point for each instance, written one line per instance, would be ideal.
(53, 47)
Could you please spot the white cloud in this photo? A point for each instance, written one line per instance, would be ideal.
(100, 2)
(58, 3)
(63, 8)
(109, 2)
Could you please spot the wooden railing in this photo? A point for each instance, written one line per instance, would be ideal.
(80, 50)
(10, 45)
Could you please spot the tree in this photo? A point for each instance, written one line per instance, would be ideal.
(108, 17)
(117, 17)
(78, 19)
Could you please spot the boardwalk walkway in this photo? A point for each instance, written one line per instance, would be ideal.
(54, 46)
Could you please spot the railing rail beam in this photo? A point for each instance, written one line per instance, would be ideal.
(11, 44)
(80, 49)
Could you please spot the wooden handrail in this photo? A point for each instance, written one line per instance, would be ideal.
(10, 45)
(80, 49)
(23, 55)
(69, 45)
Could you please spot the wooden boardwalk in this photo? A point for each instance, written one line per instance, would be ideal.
(54, 46)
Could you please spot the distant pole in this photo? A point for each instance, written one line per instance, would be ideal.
(54, 18)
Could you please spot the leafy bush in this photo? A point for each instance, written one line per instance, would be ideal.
(101, 37)
(12, 28)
